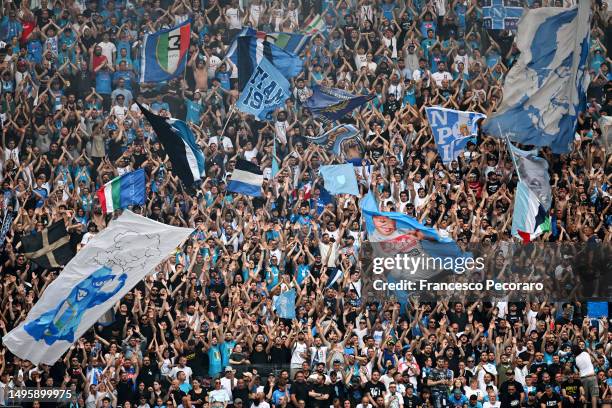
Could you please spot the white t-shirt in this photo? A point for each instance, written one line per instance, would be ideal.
(108, 48)
(233, 15)
(296, 358)
(187, 370)
(213, 64)
(441, 76)
(584, 364)
(227, 142)
(490, 404)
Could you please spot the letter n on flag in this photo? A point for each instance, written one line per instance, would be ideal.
(164, 53)
(50, 248)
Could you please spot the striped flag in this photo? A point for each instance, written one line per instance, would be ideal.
(291, 42)
(530, 219)
(180, 144)
(164, 54)
(314, 25)
(246, 179)
(49, 248)
(123, 191)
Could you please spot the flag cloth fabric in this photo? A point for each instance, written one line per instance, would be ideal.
(334, 103)
(7, 222)
(314, 25)
(452, 130)
(246, 179)
(334, 138)
(250, 50)
(340, 179)
(180, 144)
(264, 92)
(404, 234)
(275, 166)
(285, 304)
(49, 248)
(101, 273)
(164, 53)
(294, 43)
(533, 171)
(530, 219)
(546, 87)
(498, 15)
(123, 191)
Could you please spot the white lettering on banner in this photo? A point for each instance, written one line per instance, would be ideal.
(261, 90)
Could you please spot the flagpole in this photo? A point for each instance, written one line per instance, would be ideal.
(228, 119)
(518, 173)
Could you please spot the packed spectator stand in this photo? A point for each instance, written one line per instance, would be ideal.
(202, 331)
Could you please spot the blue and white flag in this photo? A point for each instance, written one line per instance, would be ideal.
(180, 144)
(546, 88)
(246, 179)
(294, 43)
(251, 50)
(529, 219)
(100, 274)
(285, 305)
(340, 179)
(334, 138)
(394, 232)
(497, 15)
(164, 53)
(333, 103)
(264, 92)
(452, 130)
(533, 171)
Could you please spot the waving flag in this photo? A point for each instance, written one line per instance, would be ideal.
(395, 232)
(246, 179)
(314, 25)
(285, 305)
(533, 171)
(101, 273)
(334, 138)
(251, 50)
(180, 144)
(452, 130)
(546, 87)
(164, 53)
(340, 179)
(123, 191)
(333, 103)
(497, 15)
(264, 92)
(530, 219)
(291, 42)
(49, 248)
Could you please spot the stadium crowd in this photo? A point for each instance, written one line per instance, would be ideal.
(203, 331)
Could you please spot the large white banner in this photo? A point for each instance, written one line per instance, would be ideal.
(108, 267)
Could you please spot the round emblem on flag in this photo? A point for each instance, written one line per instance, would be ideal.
(341, 179)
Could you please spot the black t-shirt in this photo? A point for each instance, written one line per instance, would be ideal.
(550, 401)
(375, 390)
(148, 374)
(412, 401)
(319, 403)
(510, 400)
(572, 388)
(300, 390)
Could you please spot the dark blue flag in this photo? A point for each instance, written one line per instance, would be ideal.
(333, 103)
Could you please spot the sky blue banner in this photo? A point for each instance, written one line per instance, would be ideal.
(333, 103)
(264, 92)
(334, 138)
(500, 15)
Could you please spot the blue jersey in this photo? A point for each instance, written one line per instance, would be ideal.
(226, 350)
(214, 357)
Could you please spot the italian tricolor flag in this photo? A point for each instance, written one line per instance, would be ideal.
(314, 25)
(123, 191)
(530, 219)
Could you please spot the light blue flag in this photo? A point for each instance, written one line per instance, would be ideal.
(264, 92)
(340, 179)
(452, 130)
(285, 305)
(406, 235)
(546, 88)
